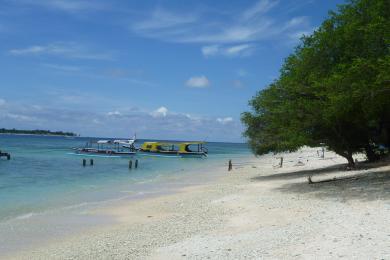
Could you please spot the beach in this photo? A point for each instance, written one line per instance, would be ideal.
(195, 129)
(255, 211)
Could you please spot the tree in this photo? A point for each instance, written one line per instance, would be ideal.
(334, 89)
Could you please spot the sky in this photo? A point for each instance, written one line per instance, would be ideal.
(177, 70)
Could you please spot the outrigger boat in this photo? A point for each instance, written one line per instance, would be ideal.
(173, 149)
(108, 148)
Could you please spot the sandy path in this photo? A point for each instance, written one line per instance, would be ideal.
(256, 211)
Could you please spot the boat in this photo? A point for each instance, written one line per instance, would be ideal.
(108, 148)
(173, 149)
(6, 155)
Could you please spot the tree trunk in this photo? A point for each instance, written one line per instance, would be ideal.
(371, 155)
(351, 162)
(348, 156)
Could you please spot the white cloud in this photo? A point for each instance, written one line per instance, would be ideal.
(64, 49)
(114, 113)
(162, 19)
(198, 82)
(65, 5)
(96, 121)
(210, 50)
(225, 120)
(234, 34)
(229, 51)
(19, 117)
(297, 22)
(28, 50)
(2, 102)
(171, 125)
(261, 7)
(239, 50)
(249, 25)
(160, 112)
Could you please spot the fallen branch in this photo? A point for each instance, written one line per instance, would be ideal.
(334, 179)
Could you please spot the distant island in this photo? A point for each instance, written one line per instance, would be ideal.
(35, 132)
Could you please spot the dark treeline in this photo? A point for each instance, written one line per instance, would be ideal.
(333, 90)
(35, 132)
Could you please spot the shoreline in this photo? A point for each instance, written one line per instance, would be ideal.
(93, 213)
(40, 135)
(255, 211)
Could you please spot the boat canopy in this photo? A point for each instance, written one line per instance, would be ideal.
(161, 146)
(115, 142)
(103, 142)
(124, 141)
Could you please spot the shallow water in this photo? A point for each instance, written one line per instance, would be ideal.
(42, 177)
(46, 193)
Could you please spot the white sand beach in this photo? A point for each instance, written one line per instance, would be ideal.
(256, 211)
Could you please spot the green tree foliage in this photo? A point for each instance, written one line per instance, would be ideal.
(35, 132)
(334, 89)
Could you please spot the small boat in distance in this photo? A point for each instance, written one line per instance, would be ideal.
(173, 149)
(108, 148)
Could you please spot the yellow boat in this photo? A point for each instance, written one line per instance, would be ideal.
(173, 149)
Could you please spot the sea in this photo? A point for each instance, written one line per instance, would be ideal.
(45, 191)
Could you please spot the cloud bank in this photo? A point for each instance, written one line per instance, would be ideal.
(121, 122)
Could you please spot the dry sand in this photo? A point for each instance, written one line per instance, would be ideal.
(256, 211)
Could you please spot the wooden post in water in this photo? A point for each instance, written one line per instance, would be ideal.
(136, 164)
(84, 162)
(91, 162)
(230, 167)
(281, 162)
(130, 164)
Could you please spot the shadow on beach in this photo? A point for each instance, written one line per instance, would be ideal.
(341, 167)
(369, 183)
(367, 186)
(299, 174)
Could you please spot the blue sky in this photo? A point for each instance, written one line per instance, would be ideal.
(163, 69)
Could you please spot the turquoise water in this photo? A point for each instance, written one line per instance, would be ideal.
(42, 177)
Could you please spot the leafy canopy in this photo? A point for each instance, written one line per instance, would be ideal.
(334, 89)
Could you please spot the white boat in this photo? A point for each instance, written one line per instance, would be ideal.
(109, 147)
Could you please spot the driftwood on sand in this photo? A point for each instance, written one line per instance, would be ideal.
(309, 178)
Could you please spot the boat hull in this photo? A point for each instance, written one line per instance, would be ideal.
(104, 152)
(172, 154)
